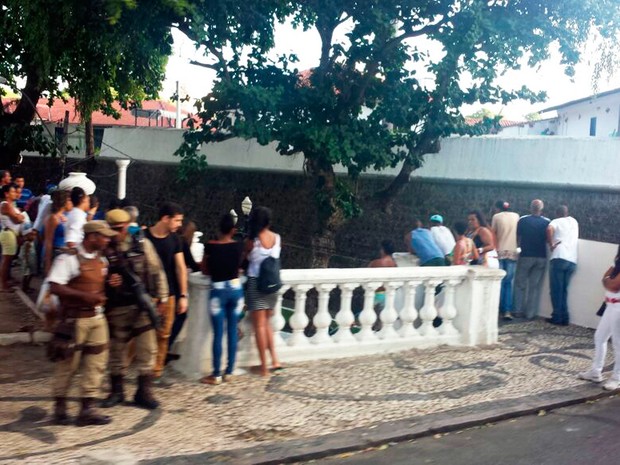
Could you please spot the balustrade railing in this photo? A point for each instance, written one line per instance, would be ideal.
(423, 307)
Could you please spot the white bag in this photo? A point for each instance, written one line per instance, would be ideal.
(46, 301)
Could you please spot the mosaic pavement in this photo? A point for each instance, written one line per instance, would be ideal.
(306, 400)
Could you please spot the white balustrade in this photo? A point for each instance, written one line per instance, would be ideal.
(345, 317)
(388, 314)
(468, 306)
(278, 321)
(322, 320)
(299, 320)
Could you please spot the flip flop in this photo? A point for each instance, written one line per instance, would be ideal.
(277, 369)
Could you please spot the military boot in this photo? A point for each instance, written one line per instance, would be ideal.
(144, 395)
(89, 416)
(60, 412)
(117, 393)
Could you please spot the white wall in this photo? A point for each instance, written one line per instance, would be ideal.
(585, 292)
(543, 160)
(559, 161)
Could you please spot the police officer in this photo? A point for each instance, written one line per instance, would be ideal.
(135, 259)
(80, 341)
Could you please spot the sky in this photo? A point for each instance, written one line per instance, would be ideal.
(196, 81)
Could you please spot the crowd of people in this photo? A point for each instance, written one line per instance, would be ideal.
(115, 292)
(520, 245)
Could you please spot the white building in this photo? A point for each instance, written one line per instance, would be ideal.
(595, 116)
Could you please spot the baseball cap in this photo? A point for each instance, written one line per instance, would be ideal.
(117, 216)
(437, 218)
(98, 226)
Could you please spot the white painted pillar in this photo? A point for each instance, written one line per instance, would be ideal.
(195, 350)
(122, 177)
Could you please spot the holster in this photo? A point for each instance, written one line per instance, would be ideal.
(62, 345)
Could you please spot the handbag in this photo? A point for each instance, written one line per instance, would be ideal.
(601, 309)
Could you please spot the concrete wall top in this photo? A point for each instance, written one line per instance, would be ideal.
(547, 160)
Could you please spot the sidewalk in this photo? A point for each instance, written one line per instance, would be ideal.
(15, 316)
(310, 410)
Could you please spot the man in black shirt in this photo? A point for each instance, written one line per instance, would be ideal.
(531, 238)
(170, 250)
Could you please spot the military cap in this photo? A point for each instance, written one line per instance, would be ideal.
(100, 227)
(117, 216)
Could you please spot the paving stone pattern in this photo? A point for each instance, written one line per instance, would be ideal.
(305, 401)
(15, 316)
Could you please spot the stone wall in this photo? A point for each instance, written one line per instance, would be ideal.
(290, 197)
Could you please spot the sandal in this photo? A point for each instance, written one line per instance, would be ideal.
(278, 369)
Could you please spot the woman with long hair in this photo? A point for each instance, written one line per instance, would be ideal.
(261, 243)
(221, 262)
(465, 251)
(10, 226)
(483, 238)
(187, 236)
(54, 230)
(608, 327)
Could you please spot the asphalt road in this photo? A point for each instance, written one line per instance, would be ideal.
(587, 434)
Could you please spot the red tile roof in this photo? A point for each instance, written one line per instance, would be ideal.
(56, 113)
(504, 123)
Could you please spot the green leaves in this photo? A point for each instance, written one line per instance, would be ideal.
(377, 98)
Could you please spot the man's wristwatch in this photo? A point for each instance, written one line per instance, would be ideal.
(184, 296)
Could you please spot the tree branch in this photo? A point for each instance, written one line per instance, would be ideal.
(204, 65)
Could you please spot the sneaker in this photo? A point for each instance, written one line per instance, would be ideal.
(508, 316)
(229, 377)
(213, 380)
(611, 385)
(161, 382)
(590, 375)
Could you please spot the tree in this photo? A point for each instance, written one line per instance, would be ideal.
(482, 113)
(98, 52)
(378, 99)
(533, 116)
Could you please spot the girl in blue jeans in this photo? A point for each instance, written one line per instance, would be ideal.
(221, 262)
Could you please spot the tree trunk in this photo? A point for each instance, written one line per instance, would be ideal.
(387, 196)
(89, 136)
(15, 125)
(323, 247)
(331, 216)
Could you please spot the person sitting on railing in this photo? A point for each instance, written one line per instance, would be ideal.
(221, 261)
(384, 261)
(464, 251)
(421, 243)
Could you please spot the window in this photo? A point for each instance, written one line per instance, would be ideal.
(593, 126)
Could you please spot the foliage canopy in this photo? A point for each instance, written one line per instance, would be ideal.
(98, 52)
(389, 83)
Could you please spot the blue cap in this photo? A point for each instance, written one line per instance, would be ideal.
(437, 218)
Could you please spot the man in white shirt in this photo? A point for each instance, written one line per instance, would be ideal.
(562, 237)
(442, 235)
(77, 217)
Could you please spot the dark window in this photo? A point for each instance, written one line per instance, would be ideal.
(98, 134)
(593, 126)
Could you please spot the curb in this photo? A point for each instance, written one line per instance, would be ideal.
(35, 337)
(396, 431)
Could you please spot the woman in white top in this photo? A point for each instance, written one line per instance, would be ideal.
(261, 243)
(608, 327)
(10, 223)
